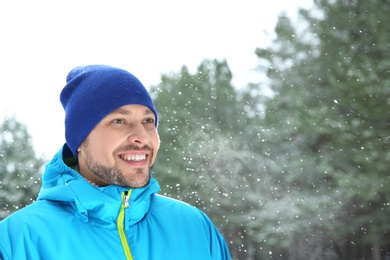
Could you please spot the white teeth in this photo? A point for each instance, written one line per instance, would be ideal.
(134, 157)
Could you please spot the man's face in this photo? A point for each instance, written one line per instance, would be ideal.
(121, 149)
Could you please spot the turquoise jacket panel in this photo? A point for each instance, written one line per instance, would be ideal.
(73, 219)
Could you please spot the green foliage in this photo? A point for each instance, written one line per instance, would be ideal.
(19, 168)
(306, 167)
(203, 130)
(330, 116)
(193, 110)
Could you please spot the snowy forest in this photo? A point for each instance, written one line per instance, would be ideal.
(296, 166)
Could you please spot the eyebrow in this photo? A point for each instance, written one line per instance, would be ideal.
(123, 111)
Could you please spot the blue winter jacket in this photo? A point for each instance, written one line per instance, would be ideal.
(73, 219)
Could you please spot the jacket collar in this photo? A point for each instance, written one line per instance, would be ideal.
(98, 205)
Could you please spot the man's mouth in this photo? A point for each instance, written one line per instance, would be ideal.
(134, 157)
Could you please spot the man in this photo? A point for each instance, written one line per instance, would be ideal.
(98, 198)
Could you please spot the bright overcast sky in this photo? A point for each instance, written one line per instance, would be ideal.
(41, 41)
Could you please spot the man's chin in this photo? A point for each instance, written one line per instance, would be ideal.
(140, 183)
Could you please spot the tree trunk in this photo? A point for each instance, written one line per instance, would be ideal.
(376, 251)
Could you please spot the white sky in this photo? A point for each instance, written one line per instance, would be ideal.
(41, 41)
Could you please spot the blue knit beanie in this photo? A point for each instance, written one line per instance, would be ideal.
(94, 91)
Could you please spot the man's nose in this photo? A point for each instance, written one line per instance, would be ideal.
(138, 134)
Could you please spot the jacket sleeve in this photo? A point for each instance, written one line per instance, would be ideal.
(218, 247)
(3, 255)
(3, 240)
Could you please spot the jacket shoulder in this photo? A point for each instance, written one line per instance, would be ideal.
(160, 202)
(175, 211)
(187, 225)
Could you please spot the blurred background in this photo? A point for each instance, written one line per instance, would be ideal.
(274, 118)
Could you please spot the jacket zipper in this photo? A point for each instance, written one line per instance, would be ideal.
(120, 223)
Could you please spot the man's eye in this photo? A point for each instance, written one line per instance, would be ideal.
(149, 121)
(118, 121)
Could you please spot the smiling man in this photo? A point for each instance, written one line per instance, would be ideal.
(98, 198)
(127, 147)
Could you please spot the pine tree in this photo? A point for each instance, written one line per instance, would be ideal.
(330, 119)
(203, 129)
(19, 168)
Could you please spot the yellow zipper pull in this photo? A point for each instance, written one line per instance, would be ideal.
(120, 223)
(126, 199)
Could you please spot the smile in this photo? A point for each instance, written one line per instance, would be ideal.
(134, 157)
